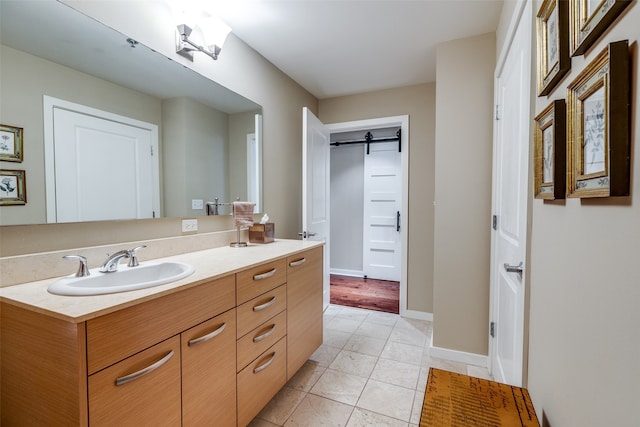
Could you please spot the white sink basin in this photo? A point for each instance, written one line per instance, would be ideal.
(146, 275)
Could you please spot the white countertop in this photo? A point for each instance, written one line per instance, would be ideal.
(209, 264)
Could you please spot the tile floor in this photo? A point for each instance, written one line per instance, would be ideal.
(371, 370)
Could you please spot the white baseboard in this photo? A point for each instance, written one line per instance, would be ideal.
(352, 273)
(414, 314)
(459, 356)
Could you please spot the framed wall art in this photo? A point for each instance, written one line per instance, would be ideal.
(598, 126)
(589, 19)
(549, 158)
(552, 27)
(13, 190)
(10, 144)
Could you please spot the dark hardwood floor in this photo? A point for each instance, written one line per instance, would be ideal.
(372, 294)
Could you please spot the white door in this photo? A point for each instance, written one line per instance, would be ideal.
(315, 188)
(382, 204)
(509, 204)
(103, 169)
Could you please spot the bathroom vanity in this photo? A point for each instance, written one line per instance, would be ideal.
(210, 349)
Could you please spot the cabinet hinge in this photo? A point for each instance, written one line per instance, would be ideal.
(497, 112)
(494, 222)
(492, 329)
(151, 150)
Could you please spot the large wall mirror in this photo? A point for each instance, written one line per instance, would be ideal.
(56, 62)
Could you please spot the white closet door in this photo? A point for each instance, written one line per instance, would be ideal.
(382, 204)
(103, 169)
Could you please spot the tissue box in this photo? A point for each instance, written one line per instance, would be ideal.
(262, 233)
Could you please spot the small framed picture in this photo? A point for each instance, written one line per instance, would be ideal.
(599, 139)
(10, 144)
(13, 189)
(589, 19)
(550, 152)
(552, 27)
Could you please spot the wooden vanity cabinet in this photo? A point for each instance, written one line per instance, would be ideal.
(304, 307)
(212, 354)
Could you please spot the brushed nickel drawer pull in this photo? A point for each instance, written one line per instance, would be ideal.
(144, 371)
(265, 335)
(265, 305)
(265, 275)
(208, 336)
(297, 263)
(266, 364)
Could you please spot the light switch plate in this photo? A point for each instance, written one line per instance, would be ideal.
(197, 204)
(189, 225)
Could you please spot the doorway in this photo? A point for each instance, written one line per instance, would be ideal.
(369, 177)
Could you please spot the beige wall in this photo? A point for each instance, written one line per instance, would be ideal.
(239, 68)
(24, 79)
(419, 103)
(584, 343)
(195, 155)
(464, 95)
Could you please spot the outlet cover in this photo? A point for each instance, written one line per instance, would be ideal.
(197, 204)
(189, 225)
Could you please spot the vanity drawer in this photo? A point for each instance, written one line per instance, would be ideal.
(143, 389)
(261, 338)
(258, 280)
(253, 313)
(260, 381)
(115, 336)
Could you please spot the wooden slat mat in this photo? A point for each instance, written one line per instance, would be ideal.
(456, 400)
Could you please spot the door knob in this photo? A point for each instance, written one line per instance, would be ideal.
(514, 268)
(304, 234)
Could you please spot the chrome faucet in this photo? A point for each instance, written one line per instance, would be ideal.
(111, 264)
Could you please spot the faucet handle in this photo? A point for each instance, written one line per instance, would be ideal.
(133, 256)
(83, 270)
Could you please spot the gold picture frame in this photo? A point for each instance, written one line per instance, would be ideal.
(598, 126)
(10, 143)
(589, 19)
(552, 29)
(550, 152)
(13, 188)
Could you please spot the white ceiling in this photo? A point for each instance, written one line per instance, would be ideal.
(339, 47)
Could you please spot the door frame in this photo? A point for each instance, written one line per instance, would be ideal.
(49, 104)
(403, 122)
(516, 19)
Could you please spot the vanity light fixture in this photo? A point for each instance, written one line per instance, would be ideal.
(214, 32)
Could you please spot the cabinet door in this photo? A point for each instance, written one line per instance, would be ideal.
(304, 307)
(208, 372)
(143, 389)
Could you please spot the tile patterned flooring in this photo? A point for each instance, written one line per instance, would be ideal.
(371, 370)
